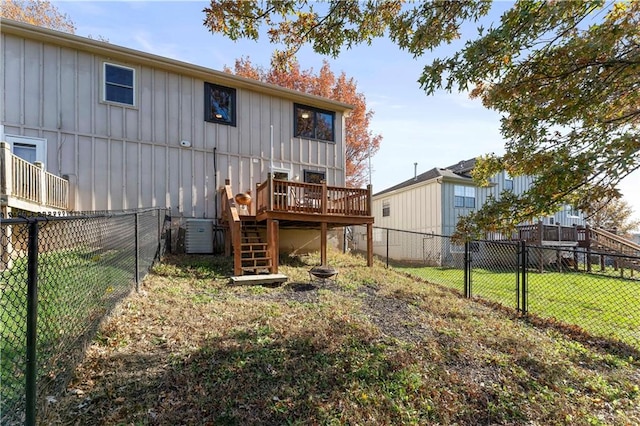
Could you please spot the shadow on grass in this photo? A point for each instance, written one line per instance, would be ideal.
(258, 377)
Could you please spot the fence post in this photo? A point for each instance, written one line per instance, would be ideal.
(32, 321)
(467, 270)
(519, 250)
(387, 248)
(137, 260)
(525, 260)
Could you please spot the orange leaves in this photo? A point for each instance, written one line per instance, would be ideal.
(37, 12)
(360, 143)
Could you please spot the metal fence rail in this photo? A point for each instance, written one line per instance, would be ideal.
(598, 292)
(60, 277)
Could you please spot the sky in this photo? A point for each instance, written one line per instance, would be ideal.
(432, 131)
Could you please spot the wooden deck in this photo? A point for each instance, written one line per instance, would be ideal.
(27, 186)
(282, 204)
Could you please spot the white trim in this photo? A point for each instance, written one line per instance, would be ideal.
(104, 84)
(39, 143)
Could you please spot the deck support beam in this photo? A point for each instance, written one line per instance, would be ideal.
(369, 244)
(273, 244)
(323, 243)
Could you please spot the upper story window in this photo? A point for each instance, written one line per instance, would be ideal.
(572, 211)
(314, 123)
(219, 104)
(464, 196)
(386, 208)
(508, 181)
(119, 84)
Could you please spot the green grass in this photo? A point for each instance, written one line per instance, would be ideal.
(605, 306)
(76, 288)
(373, 347)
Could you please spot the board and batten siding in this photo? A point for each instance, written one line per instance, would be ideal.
(123, 157)
(415, 208)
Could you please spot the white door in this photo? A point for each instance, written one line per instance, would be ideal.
(28, 148)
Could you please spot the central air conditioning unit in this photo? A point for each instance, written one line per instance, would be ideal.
(199, 236)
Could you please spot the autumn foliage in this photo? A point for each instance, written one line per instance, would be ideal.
(37, 12)
(360, 142)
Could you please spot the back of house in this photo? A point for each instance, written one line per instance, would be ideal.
(128, 129)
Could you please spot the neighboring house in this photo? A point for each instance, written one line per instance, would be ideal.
(128, 129)
(433, 201)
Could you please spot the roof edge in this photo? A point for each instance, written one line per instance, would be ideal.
(126, 54)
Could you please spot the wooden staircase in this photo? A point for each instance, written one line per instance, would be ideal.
(254, 253)
(608, 242)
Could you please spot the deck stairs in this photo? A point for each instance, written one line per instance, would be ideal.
(254, 253)
(608, 242)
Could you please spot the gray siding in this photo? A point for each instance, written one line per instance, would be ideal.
(126, 157)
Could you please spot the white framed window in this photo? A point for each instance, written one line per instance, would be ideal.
(572, 212)
(119, 84)
(28, 148)
(508, 181)
(464, 196)
(386, 208)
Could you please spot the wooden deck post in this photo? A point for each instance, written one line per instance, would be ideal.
(323, 203)
(369, 244)
(369, 206)
(270, 191)
(6, 175)
(323, 243)
(539, 240)
(273, 244)
(236, 234)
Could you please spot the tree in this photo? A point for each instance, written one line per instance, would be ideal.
(37, 12)
(611, 214)
(563, 75)
(360, 142)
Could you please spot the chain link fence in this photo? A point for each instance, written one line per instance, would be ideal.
(60, 277)
(597, 292)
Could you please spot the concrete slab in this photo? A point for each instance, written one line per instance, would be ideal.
(259, 279)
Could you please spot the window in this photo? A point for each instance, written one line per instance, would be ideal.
(314, 177)
(508, 182)
(386, 208)
(464, 196)
(219, 104)
(119, 84)
(572, 212)
(314, 123)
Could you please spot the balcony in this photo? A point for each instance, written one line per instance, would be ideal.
(289, 204)
(27, 186)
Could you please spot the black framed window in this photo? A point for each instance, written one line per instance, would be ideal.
(311, 176)
(314, 123)
(119, 84)
(219, 104)
(386, 208)
(464, 196)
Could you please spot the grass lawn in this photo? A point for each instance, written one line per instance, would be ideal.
(605, 306)
(374, 347)
(75, 289)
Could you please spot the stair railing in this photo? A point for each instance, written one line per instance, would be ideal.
(615, 242)
(232, 217)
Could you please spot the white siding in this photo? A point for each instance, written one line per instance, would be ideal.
(127, 157)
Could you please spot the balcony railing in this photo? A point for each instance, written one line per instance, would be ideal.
(28, 186)
(310, 198)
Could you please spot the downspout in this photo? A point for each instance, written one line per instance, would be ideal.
(271, 147)
(215, 184)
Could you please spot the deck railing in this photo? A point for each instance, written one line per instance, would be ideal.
(310, 198)
(26, 185)
(539, 232)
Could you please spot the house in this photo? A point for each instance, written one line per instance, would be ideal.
(433, 201)
(94, 126)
